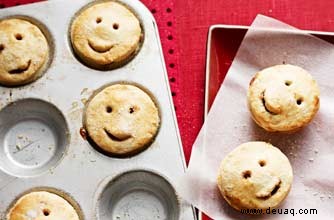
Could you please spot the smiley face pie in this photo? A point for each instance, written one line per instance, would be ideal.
(121, 120)
(106, 35)
(42, 205)
(255, 175)
(283, 98)
(24, 52)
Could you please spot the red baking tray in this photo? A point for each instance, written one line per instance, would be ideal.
(222, 45)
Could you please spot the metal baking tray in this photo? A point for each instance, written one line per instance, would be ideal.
(41, 146)
(222, 45)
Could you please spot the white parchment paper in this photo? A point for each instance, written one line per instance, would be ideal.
(229, 124)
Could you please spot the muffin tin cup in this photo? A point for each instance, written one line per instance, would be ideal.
(55, 191)
(55, 104)
(49, 38)
(34, 137)
(112, 65)
(137, 194)
(83, 131)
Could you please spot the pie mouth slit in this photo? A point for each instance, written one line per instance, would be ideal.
(273, 191)
(20, 69)
(99, 50)
(114, 138)
(264, 103)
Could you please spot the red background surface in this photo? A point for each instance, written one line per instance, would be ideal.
(183, 26)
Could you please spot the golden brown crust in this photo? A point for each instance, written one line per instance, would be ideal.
(105, 35)
(283, 98)
(121, 119)
(42, 205)
(24, 52)
(255, 175)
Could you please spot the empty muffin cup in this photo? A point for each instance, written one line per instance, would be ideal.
(140, 195)
(34, 136)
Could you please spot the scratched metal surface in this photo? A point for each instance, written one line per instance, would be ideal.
(72, 165)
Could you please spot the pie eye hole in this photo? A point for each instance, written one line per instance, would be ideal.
(262, 163)
(108, 109)
(2, 47)
(246, 174)
(46, 212)
(299, 101)
(98, 20)
(18, 36)
(115, 26)
(131, 110)
(288, 82)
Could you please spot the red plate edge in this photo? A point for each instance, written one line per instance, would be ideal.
(222, 45)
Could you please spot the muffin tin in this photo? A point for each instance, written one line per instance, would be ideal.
(41, 146)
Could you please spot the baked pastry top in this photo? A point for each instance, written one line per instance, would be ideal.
(42, 205)
(255, 175)
(283, 98)
(121, 119)
(106, 35)
(24, 52)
